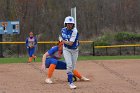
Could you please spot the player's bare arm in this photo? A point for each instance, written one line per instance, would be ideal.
(43, 60)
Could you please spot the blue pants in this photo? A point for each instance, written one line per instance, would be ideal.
(59, 64)
(31, 51)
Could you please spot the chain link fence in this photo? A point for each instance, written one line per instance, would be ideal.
(18, 49)
(86, 48)
(117, 50)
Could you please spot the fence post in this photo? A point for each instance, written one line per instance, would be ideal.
(93, 49)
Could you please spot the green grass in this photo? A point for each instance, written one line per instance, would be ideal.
(23, 60)
(16, 60)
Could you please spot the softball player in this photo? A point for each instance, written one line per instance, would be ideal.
(51, 61)
(70, 49)
(31, 43)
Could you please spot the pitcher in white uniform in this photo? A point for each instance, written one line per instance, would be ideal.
(70, 49)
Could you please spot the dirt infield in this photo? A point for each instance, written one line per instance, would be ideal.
(110, 76)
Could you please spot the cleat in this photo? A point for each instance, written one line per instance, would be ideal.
(84, 79)
(72, 86)
(49, 81)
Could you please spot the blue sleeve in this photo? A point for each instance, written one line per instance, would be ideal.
(26, 42)
(62, 33)
(53, 50)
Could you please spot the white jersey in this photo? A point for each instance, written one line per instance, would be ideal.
(31, 42)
